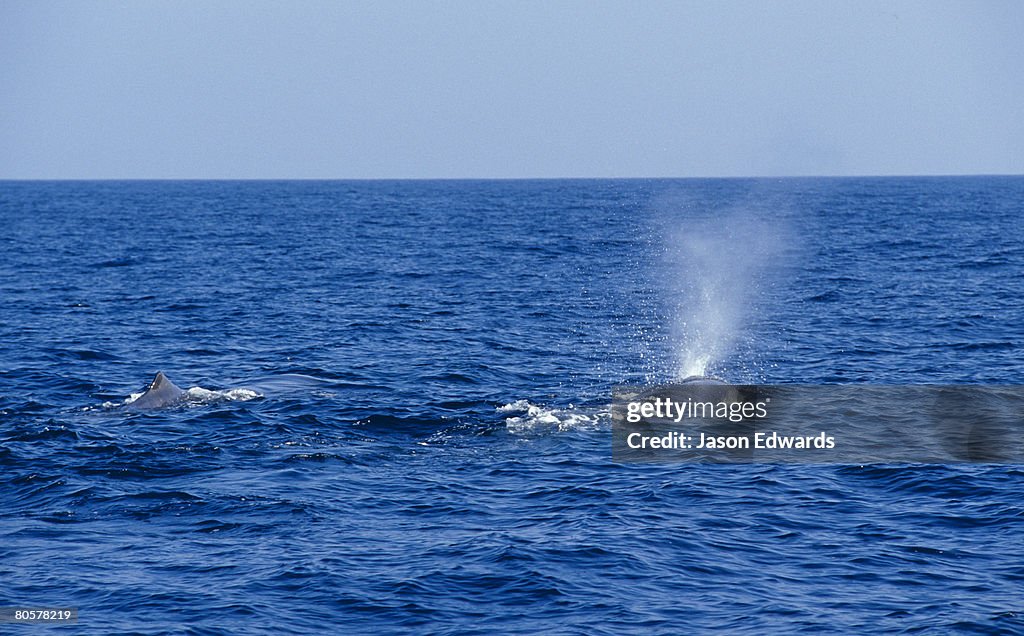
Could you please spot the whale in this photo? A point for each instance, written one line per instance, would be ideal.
(160, 393)
(702, 379)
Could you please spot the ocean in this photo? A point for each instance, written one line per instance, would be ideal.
(397, 407)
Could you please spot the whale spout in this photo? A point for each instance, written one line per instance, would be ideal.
(161, 392)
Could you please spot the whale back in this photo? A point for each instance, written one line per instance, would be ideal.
(702, 379)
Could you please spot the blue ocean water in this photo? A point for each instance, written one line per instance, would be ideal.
(402, 421)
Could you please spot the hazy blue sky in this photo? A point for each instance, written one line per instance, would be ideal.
(509, 89)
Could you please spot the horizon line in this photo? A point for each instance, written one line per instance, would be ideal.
(578, 178)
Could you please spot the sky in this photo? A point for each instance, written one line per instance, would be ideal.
(522, 89)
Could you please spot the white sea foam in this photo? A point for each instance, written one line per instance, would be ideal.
(198, 395)
(533, 417)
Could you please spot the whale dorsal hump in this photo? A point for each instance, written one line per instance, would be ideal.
(160, 382)
(161, 392)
